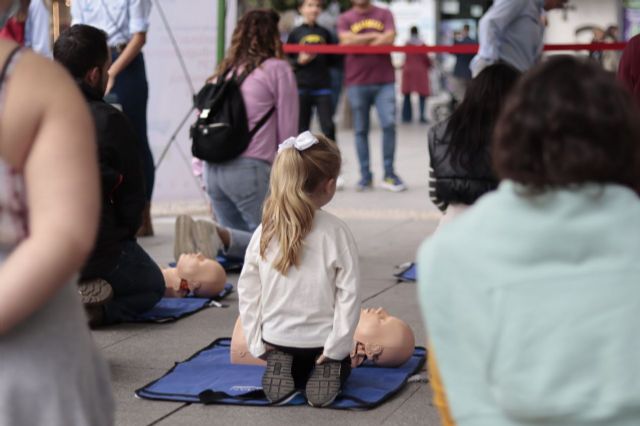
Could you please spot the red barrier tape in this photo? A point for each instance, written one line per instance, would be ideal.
(458, 48)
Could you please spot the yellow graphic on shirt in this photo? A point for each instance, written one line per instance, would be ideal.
(367, 24)
(313, 39)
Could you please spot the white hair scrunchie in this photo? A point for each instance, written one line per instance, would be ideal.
(301, 142)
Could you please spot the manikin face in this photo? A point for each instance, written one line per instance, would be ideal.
(383, 339)
(204, 277)
(310, 10)
(172, 283)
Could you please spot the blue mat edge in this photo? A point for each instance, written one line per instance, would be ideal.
(401, 275)
(226, 341)
(229, 289)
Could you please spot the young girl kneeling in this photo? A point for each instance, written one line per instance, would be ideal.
(299, 288)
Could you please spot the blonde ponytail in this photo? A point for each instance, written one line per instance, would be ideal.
(288, 211)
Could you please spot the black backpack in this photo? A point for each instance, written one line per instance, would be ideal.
(221, 132)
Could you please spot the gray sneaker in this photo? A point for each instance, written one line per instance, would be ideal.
(277, 380)
(325, 383)
(184, 242)
(206, 238)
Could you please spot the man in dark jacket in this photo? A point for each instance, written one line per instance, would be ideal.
(117, 258)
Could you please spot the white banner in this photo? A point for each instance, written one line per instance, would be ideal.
(192, 25)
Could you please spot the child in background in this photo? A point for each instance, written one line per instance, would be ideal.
(299, 288)
(312, 71)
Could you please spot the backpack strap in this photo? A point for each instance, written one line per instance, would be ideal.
(7, 64)
(262, 122)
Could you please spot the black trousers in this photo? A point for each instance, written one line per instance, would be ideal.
(137, 284)
(304, 360)
(324, 107)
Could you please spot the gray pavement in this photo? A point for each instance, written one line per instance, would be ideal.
(388, 228)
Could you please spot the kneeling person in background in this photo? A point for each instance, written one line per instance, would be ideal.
(119, 280)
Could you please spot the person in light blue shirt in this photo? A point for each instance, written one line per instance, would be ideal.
(37, 31)
(512, 31)
(531, 297)
(126, 23)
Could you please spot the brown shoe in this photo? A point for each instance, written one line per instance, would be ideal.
(95, 292)
(146, 229)
(183, 242)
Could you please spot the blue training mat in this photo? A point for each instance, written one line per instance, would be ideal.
(209, 377)
(407, 272)
(170, 309)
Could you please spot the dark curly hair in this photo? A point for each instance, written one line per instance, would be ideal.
(470, 127)
(255, 39)
(568, 122)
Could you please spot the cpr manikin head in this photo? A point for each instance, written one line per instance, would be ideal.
(174, 287)
(382, 339)
(204, 277)
(240, 350)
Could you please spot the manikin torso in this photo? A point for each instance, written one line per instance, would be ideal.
(382, 339)
(195, 274)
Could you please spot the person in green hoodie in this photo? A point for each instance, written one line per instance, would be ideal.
(531, 297)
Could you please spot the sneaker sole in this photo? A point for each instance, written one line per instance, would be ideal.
(206, 239)
(183, 238)
(277, 381)
(324, 384)
(95, 292)
(393, 188)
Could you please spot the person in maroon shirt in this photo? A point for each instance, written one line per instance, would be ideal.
(370, 80)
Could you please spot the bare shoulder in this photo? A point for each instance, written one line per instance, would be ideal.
(34, 89)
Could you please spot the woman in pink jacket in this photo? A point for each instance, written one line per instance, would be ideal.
(238, 187)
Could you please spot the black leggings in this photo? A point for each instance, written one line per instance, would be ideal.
(324, 108)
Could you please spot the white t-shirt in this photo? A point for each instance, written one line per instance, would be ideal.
(317, 304)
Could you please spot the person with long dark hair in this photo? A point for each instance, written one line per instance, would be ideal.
(531, 297)
(460, 162)
(238, 187)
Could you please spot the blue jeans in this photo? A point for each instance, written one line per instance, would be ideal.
(137, 284)
(383, 97)
(337, 76)
(132, 92)
(237, 190)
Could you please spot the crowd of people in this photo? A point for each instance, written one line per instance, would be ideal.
(528, 286)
